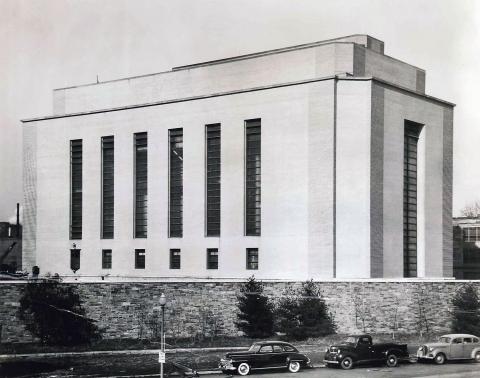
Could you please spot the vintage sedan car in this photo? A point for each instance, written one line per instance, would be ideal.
(265, 355)
(451, 347)
(359, 349)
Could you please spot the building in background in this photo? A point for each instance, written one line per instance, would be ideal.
(466, 248)
(324, 160)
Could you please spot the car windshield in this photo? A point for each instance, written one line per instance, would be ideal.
(254, 348)
(350, 340)
(444, 339)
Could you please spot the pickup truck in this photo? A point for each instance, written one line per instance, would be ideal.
(359, 349)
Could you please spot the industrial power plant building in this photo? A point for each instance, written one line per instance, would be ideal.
(324, 160)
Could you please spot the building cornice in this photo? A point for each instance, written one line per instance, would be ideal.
(240, 91)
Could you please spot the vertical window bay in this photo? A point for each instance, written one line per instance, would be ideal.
(213, 166)
(411, 136)
(107, 186)
(76, 179)
(141, 181)
(176, 183)
(252, 177)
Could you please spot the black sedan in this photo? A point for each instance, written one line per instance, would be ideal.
(265, 355)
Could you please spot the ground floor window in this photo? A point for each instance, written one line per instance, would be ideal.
(174, 259)
(106, 259)
(252, 258)
(212, 258)
(139, 259)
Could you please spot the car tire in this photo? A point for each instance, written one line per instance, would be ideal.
(440, 359)
(477, 357)
(243, 369)
(294, 366)
(346, 363)
(392, 360)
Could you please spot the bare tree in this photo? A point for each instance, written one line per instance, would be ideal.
(395, 306)
(422, 303)
(362, 310)
(472, 210)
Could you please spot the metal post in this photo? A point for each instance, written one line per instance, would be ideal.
(162, 339)
(163, 302)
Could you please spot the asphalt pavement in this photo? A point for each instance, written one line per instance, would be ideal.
(449, 370)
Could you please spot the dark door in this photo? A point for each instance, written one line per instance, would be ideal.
(365, 350)
(279, 357)
(264, 357)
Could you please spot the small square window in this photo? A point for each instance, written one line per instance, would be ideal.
(175, 259)
(139, 259)
(106, 259)
(212, 258)
(252, 258)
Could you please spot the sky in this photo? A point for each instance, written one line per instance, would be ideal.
(47, 44)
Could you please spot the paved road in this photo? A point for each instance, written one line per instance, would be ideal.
(449, 370)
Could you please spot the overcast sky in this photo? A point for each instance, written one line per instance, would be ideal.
(46, 44)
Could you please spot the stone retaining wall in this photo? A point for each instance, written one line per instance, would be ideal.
(131, 309)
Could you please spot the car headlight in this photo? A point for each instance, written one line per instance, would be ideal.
(430, 349)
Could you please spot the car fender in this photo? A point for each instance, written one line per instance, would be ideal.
(474, 351)
(395, 351)
(440, 350)
(239, 361)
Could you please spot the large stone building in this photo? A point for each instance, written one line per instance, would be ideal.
(323, 160)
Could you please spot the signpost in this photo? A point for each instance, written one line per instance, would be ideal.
(161, 357)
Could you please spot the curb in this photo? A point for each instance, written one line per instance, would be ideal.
(131, 351)
(116, 352)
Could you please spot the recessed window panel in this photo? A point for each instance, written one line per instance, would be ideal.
(252, 177)
(213, 148)
(252, 258)
(107, 187)
(106, 259)
(176, 183)
(175, 259)
(411, 135)
(139, 259)
(212, 258)
(76, 180)
(141, 182)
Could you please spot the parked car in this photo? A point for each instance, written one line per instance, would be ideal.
(359, 349)
(265, 355)
(451, 347)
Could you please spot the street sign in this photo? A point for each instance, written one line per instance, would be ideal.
(161, 357)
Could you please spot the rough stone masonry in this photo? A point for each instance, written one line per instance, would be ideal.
(131, 309)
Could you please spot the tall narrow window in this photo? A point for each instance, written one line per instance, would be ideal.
(76, 189)
(212, 134)
(141, 179)
(175, 259)
(106, 259)
(252, 258)
(107, 187)
(212, 258)
(139, 259)
(252, 177)
(176, 183)
(412, 133)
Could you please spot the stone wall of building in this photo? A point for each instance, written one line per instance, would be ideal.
(131, 309)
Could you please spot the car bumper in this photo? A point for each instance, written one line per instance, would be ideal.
(421, 355)
(330, 362)
(226, 365)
